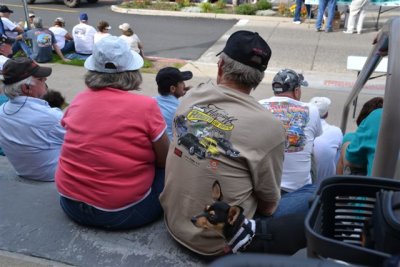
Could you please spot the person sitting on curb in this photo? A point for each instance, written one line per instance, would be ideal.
(171, 86)
(43, 42)
(64, 39)
(83, 35)
(218, 142)
(111, 168)
(327, 146)
(30, 131)
(302, 124)
(131, 38)
(343, 166)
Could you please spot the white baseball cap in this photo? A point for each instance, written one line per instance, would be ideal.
(124, 26)
(113, 55)
(322, 103)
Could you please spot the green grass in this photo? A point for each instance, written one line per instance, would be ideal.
(77, 62)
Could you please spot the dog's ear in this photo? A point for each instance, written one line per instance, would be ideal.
(216, 191)
(234, 213)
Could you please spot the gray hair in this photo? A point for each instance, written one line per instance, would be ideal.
(37, 22)
(128, 80)
(15, 89)
(239, 73)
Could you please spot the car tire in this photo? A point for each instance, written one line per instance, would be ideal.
(228, 152)
(191, 150)
(179, 141)
(72, 3)
(92, 1)
(31, 1)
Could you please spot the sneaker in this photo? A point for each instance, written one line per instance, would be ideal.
(328, 30)
(348, 32)
(318, 30)
(297, 22)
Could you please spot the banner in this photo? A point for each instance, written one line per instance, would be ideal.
(372, 2)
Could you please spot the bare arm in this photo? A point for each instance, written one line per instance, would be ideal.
(59, 53)
(161, 149)
(68, 36)
(343, 163)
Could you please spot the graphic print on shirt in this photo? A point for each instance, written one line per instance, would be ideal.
(205, 132)
(43, 39)
(294, 119)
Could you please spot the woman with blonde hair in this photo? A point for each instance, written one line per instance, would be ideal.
(131, 38)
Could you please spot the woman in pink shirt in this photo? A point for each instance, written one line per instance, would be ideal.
(110, 171)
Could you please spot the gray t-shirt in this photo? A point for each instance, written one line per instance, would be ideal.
(42, 44)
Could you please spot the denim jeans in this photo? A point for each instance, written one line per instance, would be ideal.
(331, 7)
(299, 4)
(297, 201)
(144, 212)
(68, 47)
(21, 45)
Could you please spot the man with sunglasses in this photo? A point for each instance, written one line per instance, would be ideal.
(302, 125)
(30, 131)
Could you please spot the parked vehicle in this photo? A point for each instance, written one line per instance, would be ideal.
(192, 144)
(227, 147)
(211, 146)
(69, 3)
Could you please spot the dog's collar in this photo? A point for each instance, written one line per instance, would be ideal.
(243, 237)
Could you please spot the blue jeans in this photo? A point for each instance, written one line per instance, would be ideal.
(21, 45)
(68, 47)
(144, 212)
(295, 202)
(299, 4)
(331, 7)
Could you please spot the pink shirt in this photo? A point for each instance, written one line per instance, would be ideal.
(107, 159)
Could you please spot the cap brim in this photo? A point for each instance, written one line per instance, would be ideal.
(42, 72)
(304, 83)
(186, 75)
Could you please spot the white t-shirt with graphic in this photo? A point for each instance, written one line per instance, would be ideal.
(83, 35)
(302, 125)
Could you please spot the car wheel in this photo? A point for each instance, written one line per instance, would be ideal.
(92, 1)
(179, 141)
(31, 1)
(228, 152)
(191, 150)
(72, 3)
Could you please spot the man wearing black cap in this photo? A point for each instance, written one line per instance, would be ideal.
(302, 124)
(30, 131)
(171, 86)
(222, 133)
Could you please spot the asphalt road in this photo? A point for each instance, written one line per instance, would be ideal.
(167, 37)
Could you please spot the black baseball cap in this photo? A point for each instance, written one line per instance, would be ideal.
(171, 76)
(287, 80)
(248, 48)
(5, 9)
(17, 69)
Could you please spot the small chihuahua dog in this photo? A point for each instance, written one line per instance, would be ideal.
(283, 235)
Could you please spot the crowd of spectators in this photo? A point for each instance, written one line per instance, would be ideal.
(120, 166)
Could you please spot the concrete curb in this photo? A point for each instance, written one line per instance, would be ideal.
(197, 15)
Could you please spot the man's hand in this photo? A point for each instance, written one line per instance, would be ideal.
(66, 60)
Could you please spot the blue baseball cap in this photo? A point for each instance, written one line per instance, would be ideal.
(83, 16)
